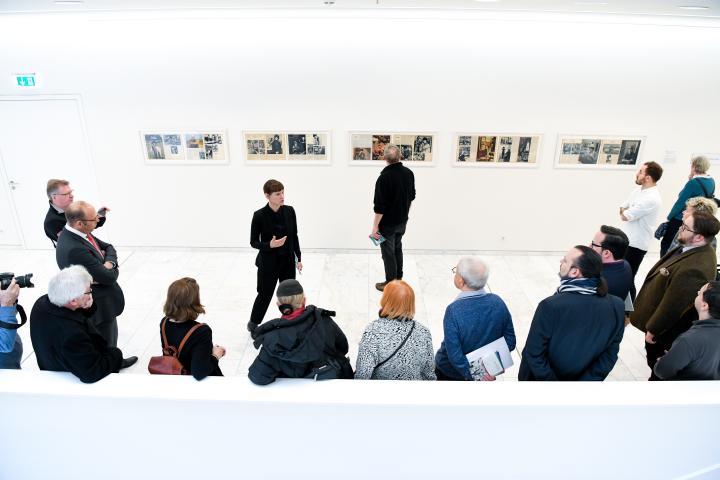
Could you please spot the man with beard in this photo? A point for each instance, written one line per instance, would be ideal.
(575, 334)
(640, 213)
(664, 307)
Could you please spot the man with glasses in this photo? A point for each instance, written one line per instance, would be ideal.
(60, 196)
(77, 246)
(63, 335)
(664, 307)
(575, 334)
(612, 243)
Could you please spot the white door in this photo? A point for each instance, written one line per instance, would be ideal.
(8, 228)
(42, 138)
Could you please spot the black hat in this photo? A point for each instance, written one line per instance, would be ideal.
(288, 288)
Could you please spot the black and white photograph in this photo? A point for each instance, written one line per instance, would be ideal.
(495, 150)
(172, 139)
(275, 144)
(406, 151)
(463, 153)
(297, 144)
(256, 147)
(629, 152)
(525, 150)
(506, 144)
(154, 147)
(361, 153)
(601, 151)
(265, 146)
(422, 148)
(214, 149)
(464, 140)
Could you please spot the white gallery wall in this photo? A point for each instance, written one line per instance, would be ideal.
(396, 70)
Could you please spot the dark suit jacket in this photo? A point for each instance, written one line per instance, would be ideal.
(665, 303)
(65, 340)
(55, 222)
(262, 230)
(73, 250)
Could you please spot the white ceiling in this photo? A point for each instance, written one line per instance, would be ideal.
(668, 8)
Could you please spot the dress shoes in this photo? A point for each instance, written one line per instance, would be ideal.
(128, 362)
(380, 286)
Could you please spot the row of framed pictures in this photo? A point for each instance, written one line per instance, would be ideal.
(471, 149)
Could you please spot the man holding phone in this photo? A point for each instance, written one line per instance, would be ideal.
(60, 196)
(394, 192)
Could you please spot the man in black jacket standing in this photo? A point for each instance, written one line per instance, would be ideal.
(60, 196)
(63, 335)
(394, 192)
(273, 232)
(77, 246)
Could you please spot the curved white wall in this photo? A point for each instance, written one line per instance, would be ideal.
(445, 72)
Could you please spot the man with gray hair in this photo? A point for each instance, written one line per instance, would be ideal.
(60, 196)
(473, 320)
(62, 334)
(394, 192)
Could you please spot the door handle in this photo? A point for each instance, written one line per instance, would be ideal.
(13, 185)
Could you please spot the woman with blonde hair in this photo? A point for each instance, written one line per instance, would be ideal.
(198, 355)
(395, 346)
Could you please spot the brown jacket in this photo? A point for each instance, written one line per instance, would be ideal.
(668, 293)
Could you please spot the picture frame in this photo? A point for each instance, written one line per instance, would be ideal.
(599, 152)
(184, 147)
(289, 147)
(417, 148)
(497, 150)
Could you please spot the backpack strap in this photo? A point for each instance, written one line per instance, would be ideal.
(170, 349)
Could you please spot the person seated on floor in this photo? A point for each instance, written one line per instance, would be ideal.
(612, 243)
(396, 347)
(695, 355)
(473, 320)
(198, 355)
(303, 343)
(63, 335)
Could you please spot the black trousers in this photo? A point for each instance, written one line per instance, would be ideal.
(634, 256)
(105, 320)
(672, 229)
(391, 250)
(270, 272)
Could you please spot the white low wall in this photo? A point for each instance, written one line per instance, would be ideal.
(140, 426)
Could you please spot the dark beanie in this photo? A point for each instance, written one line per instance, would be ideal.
(288, 288)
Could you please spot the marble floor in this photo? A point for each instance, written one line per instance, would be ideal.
(333, 279)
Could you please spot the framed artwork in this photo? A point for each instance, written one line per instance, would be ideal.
(368, 148)
(184, 147)
(598, 151)
(290, 147)
(496, 149)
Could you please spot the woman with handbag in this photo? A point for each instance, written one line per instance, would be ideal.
(699, 184)
(396, 347)
(181, 334)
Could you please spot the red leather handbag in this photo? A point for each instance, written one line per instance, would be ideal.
(169, 363)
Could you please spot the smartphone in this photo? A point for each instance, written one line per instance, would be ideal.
(376, 241)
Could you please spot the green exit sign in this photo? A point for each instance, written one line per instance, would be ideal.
(25, 80)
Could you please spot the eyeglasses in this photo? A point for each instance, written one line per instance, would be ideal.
(88, 293)
(96, 219)
(63, 194)
(593, 244)
(454, 270)
(685, 227)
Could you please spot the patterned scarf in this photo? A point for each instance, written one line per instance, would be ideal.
(583, 286)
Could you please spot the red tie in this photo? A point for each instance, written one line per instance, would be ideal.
(94, 243)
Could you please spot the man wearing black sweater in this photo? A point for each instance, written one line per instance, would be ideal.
(394, 192)
(60, 196)
(273, 232)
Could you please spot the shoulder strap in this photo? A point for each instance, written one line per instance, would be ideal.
(703, 188)
(399, 346)
(162, 331)
(15, 326)
(187, 335)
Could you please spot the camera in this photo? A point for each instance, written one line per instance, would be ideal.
(23, 281)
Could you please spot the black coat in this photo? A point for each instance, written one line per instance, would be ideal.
(265, 225)
(73, 250)
(65, 340)
(573, 337)
(294, 348)
(55, 222)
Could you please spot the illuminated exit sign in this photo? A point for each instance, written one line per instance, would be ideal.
(25, 80)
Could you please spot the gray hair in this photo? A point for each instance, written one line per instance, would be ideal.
(474, 272)
(394, 157)
(69, 284)
(700, 164)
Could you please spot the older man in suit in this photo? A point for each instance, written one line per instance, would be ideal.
(77, 246)
(664, 307)
(60, 196)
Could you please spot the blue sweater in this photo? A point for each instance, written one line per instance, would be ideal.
(691, 189)
(474, 319)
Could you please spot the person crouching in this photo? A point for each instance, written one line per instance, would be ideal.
(303, 343)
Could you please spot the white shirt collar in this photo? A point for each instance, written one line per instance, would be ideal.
(76, 232)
